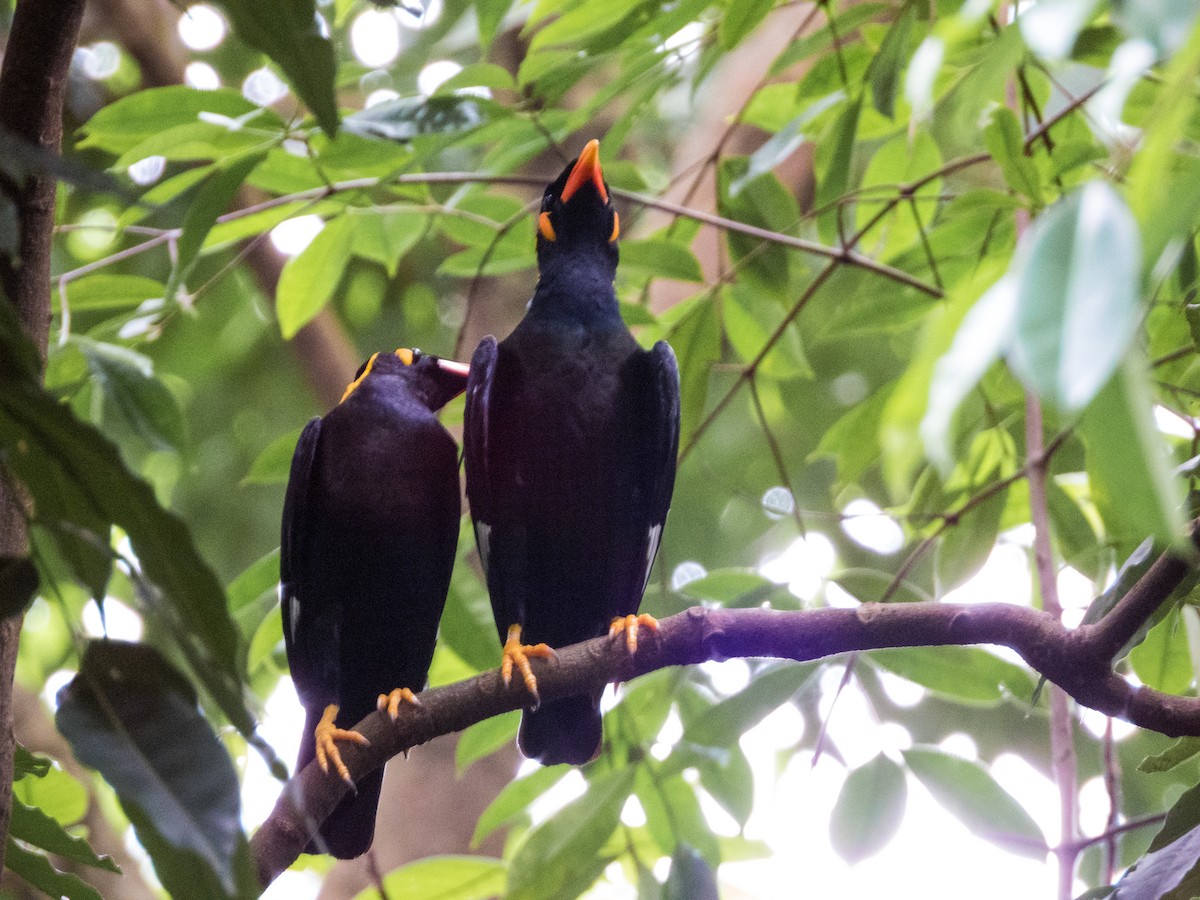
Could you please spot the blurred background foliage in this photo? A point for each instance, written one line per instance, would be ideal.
(295, 187)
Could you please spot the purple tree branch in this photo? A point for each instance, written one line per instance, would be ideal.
(1074, 660)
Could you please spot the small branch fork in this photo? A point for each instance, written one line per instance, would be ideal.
(1079, 661)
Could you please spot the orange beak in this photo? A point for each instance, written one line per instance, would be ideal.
(587, 168)
(454, 368)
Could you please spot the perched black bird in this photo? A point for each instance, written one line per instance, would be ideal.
(370, 527)
(570, 441)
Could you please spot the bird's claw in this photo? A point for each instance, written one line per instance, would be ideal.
(326, 735)
(391, 701)
(518, 654)
(629, 625)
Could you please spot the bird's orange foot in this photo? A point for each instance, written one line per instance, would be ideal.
(518, 654)
(391, 702)
(327, 735)
(630, 625)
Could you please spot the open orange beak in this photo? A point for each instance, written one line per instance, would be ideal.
(587, 168)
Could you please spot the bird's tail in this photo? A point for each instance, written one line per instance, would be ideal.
(562, 731)
(350, 828)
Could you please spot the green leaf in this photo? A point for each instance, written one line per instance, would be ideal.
(444, 878)
(34, 827)
(1051, 30)
(273, 464)
(500, 254)
(967, 791)
(36, 869)
(103, 291)
(1127, 464)
(731, 587)
(143, 402)
(1162, 660)
(76, 476)
(1076, 538)
(835, 173)
(309, 279)
(766, 203)
(384, 236)
(1176, 755)
(673, 813)
(289, 32)
(967, 674)
(965, 546)
(1004, 140)
(696, 340)
(489, 14)
(515, 799)
(483, 74)
(56, 794)
(485, 738)
(784, 142)
(741, 17)
(123, 124)
(1078, 296)
(888, 62)
(660, 258)
(560, 858)
(691, 877)
(18, 584)
(210, 201)
(723, 723)
(869, 810)
(751, 319)
(132, 716)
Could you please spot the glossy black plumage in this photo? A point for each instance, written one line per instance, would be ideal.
(570, 440)
(370, 526)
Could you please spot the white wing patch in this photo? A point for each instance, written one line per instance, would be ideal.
(294, 615)
(652, 541)
(483, 536)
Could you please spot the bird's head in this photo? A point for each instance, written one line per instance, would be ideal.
(435, 380)
(577, 214)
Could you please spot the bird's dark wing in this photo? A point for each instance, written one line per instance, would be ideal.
(476, 432)
(308, 658)
(661, 429)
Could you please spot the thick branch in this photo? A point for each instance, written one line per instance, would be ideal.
(33, 81)
(1065, 657)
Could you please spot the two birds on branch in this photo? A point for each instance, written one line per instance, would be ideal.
(570, 439)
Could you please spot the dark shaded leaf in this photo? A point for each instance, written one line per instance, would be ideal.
(143, 402)
(406, 118)
(1176, 755)
(210, 201)
(691, 877)
(965, 547)
(696, 340)
(132, 716)
(889, 61)
(289, 32)
(76, 477)
(26, 763)
(1160, 870)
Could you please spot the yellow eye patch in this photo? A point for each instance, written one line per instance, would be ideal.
(357, 381)
(546, 228)
(405, 356)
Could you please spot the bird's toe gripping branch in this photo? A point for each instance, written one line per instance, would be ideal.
(630, 625)
(518, 654)
(391, 701)
(327, 735)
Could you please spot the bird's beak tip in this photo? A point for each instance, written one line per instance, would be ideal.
(587, 168)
